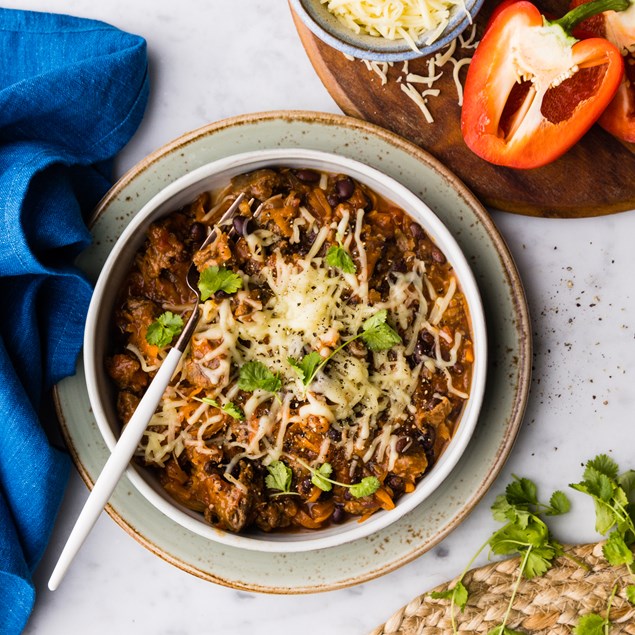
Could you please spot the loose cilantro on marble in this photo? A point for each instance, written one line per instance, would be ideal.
(594, 624)
(163, 330)
(524, 533)
(613, 496)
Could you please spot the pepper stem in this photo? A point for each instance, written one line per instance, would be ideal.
(570, 20)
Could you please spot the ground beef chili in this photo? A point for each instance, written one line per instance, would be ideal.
(257, 429)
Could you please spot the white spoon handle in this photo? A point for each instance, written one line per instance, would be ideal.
(115, 466)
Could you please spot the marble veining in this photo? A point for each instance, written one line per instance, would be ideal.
(211, 60)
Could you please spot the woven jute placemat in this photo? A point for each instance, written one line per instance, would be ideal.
(548, 605)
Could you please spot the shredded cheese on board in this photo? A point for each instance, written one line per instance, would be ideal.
(409, 80)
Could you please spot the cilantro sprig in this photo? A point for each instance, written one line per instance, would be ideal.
(338, 258)
(524, 533)
(320, 477)
(229, 407)
(255, 375)
(279, 478)
(594, 624)
(613, 496)
(163, 330)
(214, 279)
(376, 333)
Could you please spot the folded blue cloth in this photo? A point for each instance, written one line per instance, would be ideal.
(72, 93)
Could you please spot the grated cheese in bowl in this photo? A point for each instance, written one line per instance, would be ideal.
(414, 21)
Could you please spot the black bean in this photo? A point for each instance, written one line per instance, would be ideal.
(399, 266)
(395, 483)
(306, 242)
(417, 231)
(344, 188)
(221, 294)
(198, 233)
(334, 434)
(427, 437)
(305, 486)
(307, 176)
(424, 347)
(243, 225)
(458, 368)
(209, 467)
(333, 200)
(438, 256)
(338, 514)
(402, 444)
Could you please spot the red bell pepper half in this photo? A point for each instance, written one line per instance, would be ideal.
(532, 90)
(619, 29)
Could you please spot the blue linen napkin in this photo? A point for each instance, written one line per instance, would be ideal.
(72, 93)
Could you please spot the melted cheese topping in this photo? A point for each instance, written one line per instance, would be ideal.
(309, 307)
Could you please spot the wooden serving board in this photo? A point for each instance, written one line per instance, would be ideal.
(596, 177)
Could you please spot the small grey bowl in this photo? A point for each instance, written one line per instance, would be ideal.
(322, 23)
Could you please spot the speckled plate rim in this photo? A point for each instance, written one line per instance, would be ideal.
(520, 319)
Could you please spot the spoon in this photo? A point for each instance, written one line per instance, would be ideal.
(134, 429)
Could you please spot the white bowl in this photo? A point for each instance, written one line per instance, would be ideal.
(98, 332)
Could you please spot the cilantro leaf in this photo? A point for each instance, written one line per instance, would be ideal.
(539, 561)
(215, 279)
(502, 510)
(279, 477)
(367, 486)
(442, 595)
(591, 624)
(630, 593)
(521, 491)
(320, 477)
(602, 464)
(162, 331)
(339, 258)
(458, 594)
(616, 551)
(378, 335)
(306, 367)
(229, 408)
(255, 375)
(375, 320)
(233, 411)
(627, 482)
(558, 504)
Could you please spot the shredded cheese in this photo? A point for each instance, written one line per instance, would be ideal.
(410, 20)
(408, 80)
(308, 307)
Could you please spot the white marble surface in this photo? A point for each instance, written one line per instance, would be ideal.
(210, 60)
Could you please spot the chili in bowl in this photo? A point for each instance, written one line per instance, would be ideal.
(336, 374)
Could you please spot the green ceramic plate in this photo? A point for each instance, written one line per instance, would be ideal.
(508, 372)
